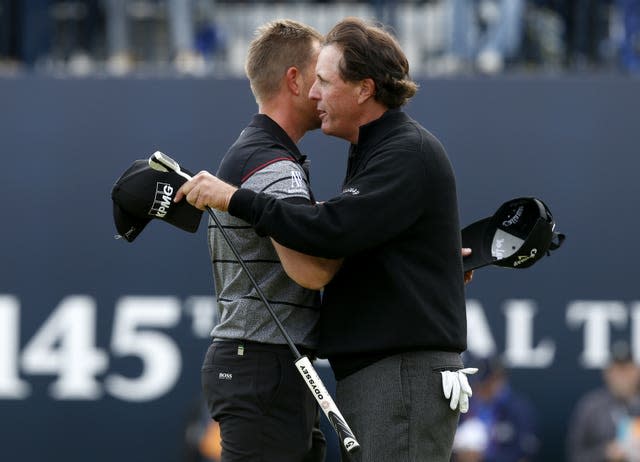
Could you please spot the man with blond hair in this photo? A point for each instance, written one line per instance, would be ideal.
(253, 390)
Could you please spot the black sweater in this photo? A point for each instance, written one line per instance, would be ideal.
(396, 223)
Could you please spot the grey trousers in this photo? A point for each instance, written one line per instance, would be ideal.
(397, 409)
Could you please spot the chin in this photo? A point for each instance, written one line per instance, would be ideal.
(326, 129)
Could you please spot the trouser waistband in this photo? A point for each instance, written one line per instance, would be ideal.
(247, 346)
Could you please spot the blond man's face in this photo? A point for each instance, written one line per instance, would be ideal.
(310, 111)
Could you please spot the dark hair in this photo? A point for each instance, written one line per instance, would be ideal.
(371, 52)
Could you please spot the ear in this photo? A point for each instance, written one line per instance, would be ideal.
(367, 90)
(292, 78)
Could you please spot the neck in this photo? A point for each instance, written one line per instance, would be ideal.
(373, 113)
(281, 115)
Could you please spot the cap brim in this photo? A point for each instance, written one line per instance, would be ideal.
(478, 236)
(128, 226)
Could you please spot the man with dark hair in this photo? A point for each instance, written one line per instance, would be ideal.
(393, 316)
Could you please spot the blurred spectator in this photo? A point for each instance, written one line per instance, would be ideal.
(202, 435)
(630, 49)
(584, 29)
(25, 30)
(500, 425)
(7, 30)
(605, 426)
(76, 29)
(186, 58)
(485, 33)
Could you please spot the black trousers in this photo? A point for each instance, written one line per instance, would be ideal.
(265, 410)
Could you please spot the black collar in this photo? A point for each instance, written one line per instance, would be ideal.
(266, 123)
(373, 132)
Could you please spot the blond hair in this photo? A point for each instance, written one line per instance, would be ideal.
(278, 45)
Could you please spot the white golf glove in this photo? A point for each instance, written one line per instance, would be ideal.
(456, 387)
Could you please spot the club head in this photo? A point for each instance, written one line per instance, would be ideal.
(163, 163)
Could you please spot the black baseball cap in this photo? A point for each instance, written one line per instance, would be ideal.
(519, 234)
(142, 194)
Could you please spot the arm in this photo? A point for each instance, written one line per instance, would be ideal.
(379, 203)
(207, 190)
(388, 201)
(270, 173)
(308, 271)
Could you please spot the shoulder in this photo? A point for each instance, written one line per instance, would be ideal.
(411, 145)
(594, 402)
(253, 151)
(409, 135)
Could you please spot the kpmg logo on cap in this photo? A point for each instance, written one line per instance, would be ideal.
(162, 200)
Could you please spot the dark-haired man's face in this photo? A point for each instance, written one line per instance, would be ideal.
(336, 99)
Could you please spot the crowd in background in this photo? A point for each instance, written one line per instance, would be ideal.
(205, 37)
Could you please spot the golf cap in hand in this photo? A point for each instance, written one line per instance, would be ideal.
(142, 194)
(519, 234)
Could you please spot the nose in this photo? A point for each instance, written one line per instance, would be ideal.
(314, 94)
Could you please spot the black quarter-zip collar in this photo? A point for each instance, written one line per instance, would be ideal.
(375, 131)
(370, 135)
(266, 123)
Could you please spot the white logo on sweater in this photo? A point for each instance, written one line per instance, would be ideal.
(296, 179)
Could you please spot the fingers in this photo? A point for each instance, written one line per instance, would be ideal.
(447, 384)
(202, 191)
(191, 191)
(464, 403)
(182, 192)
(457, 389)
(469, 370)
(464, 384)
(455, 394)
(186, 189)
(468, 276)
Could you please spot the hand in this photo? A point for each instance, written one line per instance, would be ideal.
(205, 190)
(456, 387)
(468, 276)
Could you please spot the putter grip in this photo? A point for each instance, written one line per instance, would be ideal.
(328, 406)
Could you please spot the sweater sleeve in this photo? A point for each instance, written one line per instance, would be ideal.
(377, 204)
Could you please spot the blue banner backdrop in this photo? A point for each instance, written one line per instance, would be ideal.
(101, 340)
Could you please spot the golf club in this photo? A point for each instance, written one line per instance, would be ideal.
(163, 163)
